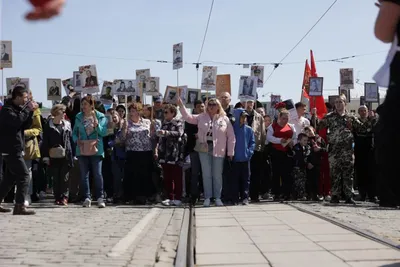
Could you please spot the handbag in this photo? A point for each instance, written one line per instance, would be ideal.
(201, 147)
(57, 152)
(88, 147)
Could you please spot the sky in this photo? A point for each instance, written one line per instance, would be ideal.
(119, 35)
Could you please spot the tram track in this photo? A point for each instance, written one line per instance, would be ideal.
(349, 227)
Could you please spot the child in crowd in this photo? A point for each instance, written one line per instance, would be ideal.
(318, 146)
(300, 153)
(244, 150)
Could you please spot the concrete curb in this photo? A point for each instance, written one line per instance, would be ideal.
(351, 228)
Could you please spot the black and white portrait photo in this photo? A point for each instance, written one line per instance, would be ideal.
(316, 86)
(153, 87)
(177, 56)
(209, 78)
(141, 78)
(247, 88)
(6, 54)
(77, 82)
(11, 83)
(371, 92)
(171, 95)
(258, 71)
(53, 89)
(192, 95)
(89, 79)
(68, 85)
(106, 96)
(119, 87)
(346, 79)
(130, 86)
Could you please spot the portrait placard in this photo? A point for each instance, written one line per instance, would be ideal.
(53, 89)
(289, 105)
(275, 99)
(371, 92)
(362, 101)
(205, 96)
(223, 84)
(107, 93)
(77, 81)
(183, 93)
(67, 84)
(89, 79)
(209, 78)
(346, 79)
(11, 83)
(192, 96)
(6, 54)
(332, 99)
(177, 56)
(345, 92)
(316, 86)
(247, 88)
(171, 95)
(154, 86)
(258, 71)
(142, 77)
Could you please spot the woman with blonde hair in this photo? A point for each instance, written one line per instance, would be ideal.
(57, 152)
(216, 139)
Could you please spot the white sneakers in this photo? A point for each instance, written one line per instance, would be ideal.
(206, 202)
(218, 202)
(100, 203)
(169, 202)
(87, 203)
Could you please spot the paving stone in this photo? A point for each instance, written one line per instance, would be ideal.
(368, 254)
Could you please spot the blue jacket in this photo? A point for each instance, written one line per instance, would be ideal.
(100, 131)
(245, 142)
(118, 150)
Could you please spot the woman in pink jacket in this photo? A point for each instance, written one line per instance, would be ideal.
(215, 140)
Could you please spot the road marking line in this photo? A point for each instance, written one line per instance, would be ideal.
(123, 244)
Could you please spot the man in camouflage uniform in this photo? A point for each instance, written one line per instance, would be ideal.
(340, 125)
(364, 157)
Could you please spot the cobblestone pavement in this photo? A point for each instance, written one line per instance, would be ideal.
(382, 222)
(73, 236)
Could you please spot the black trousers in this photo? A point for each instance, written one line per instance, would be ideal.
(17, 173)
(362, 149)
(312, 181)
(239, 181)
(107, 175)
(256, 165)
(60, 171)
(266, 170)
(138, 181)
(387, 142)
(282, 166)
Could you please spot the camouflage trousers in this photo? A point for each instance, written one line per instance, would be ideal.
(299, 182)
(341, 164)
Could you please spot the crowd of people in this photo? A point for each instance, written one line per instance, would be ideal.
(146, 154)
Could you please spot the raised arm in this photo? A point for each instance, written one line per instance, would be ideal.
(189, 118)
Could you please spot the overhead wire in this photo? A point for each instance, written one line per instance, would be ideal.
(215, 63)
(299, 42)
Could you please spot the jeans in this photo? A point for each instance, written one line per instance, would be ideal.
(95, 162)
(118, 175)
(18, 173)
(239, 181)
(212, 168)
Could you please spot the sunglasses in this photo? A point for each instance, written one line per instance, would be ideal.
(211, 105)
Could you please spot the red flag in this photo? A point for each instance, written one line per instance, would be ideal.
(306, 85)
(317, 102)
